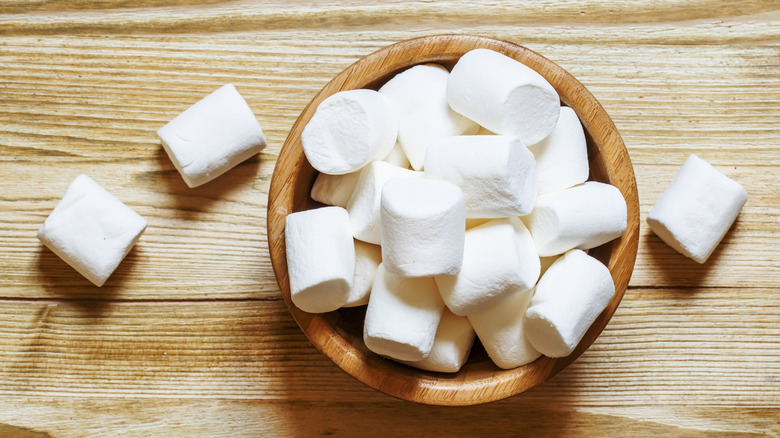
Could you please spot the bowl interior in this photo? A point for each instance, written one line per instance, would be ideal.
(339, 334)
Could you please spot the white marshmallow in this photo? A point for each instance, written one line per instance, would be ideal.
(419, 96)
(568, 298)
(334, 189)
(496, 172)
(451, 346)
(212, 136)
(367, 260)
(364, 204)
(499, 259)
(348, 130)
(320, 258)
(501, 331)
(423, 224)
(697, 209)
(584, 216)
(402, 316)
(397, 156)
(503, 95)
(562, 157)
(91, 230)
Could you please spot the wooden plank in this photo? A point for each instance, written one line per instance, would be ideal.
(641, 21)
(57, 417)
(662, 347)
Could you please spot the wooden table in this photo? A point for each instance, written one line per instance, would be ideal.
(190, 336)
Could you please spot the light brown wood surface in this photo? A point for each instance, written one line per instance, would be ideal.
(190, 336)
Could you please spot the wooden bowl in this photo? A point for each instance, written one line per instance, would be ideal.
(339, 334)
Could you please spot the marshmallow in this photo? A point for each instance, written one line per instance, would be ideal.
(212, 136)
(496, 172)
(584, 216)
(419, 96)
(397, 156)
(423, 224)
(562, 157)
(91, 230)
(320, 258)
(499, 259)
(364, 204)
(501, 331)
(334, 189)
(367, 260)
(697, 209)
(402, 316)
(348, 130)
(568, 298)
(503, 95)
(451, 346)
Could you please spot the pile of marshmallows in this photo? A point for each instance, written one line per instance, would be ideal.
(459, 207)
(447, 192)
(93, 231)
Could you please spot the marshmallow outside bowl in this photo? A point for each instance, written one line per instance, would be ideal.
(339, 334)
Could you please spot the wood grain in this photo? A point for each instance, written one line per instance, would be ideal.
(692, 349)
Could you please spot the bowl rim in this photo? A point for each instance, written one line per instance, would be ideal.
(485, 383)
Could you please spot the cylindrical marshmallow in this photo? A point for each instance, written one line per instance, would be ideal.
(212, 136)
(697, 209)
(499, 259)
(348, 130)
(496, 173)
(419, 96)
(423, 223)
(364, 203)
(402, 316)
(501, 331)
(562, 157)
(320, 258)
(91, 230)
(334, 189)
(503, 95)
(568, 298)
(451, 346)
(367, 260)
(584, 216)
